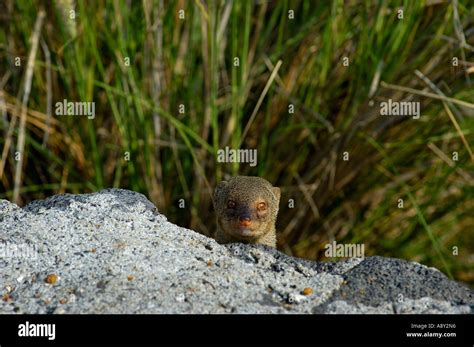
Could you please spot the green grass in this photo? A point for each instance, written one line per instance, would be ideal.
(190, 62)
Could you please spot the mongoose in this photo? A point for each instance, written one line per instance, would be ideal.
(246, 210)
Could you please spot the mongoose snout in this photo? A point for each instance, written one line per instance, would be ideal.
(246, 210)
(244, 220)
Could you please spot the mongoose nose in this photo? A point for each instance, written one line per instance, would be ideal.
(244, 220)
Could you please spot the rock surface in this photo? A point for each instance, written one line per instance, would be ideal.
(112, 252)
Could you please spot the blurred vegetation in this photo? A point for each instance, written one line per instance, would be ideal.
(283, 61)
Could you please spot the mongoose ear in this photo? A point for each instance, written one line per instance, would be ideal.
(276, 192)
(220, 187)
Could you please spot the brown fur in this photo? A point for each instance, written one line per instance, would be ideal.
(246, 193)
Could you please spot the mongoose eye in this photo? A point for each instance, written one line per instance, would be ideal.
(230, 204)
(262, 206)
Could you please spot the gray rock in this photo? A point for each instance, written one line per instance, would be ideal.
(112, 252)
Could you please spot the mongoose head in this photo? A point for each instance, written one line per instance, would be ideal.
(246, 207)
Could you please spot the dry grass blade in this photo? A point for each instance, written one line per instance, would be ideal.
(441, 154)
(308, 196)
(49, 93)
(24, 104)
(375, 81)
(260, 100)
(428, 95)
(458, 129)
(4, 123)
(438, 91)
(448, 110)
(460, 34)
(203, 9)
(448, 161)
